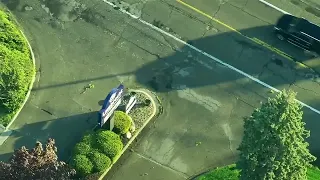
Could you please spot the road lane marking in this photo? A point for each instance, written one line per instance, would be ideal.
(274, 7)
(255, 40)
(208, 55)
(208, 16)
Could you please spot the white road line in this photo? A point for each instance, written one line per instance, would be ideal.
(274, 7)
(209, 55)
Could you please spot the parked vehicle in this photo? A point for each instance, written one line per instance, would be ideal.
(299, 32)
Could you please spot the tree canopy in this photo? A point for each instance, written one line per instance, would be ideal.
(273, 145)
(37, 163)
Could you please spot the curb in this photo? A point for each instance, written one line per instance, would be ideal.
(30, 85)
(135, 134)
(208, 170)
(6, 133)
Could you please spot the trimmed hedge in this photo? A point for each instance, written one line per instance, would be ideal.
(82, 165)
(105, 135)
(122, 122)
(82, 148)
(98, 149)
(109, 143)
(89, 138)
(16, 68)
(111, 148)
(100, 161)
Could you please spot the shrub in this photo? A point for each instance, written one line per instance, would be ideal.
(111, 148)
(105, 135)
(11, 37)
(82, 165)
(15, 77)
(82, 148)
(100, 161)
(122, 122)
(109, 143)
(16, 68)
(89, 138)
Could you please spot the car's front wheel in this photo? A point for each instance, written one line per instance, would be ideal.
(280, 37)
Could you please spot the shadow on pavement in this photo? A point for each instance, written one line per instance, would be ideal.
(188, 69)
(66, 131)
(236, 50)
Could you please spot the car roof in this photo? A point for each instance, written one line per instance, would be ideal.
(309, 28)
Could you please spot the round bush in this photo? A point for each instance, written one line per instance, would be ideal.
(111, 148)
(105, 135)
(100, 161)
(82, 148)
(89, 138)
(122, 122)
(109, 143)
(82, 165)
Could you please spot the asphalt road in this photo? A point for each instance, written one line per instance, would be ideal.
(82, 42)
(213, 35)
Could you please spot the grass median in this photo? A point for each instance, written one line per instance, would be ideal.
(16, 67)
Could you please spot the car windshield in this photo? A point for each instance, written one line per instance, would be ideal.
(296, 24)
(293, 24)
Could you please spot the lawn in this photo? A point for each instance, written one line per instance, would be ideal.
(16, 67)
(231, 173)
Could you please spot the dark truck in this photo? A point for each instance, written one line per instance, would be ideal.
(299, 32)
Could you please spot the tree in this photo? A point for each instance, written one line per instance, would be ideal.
(273, 145)
(37, 163)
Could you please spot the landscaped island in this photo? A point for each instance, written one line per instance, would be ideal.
(100, 148)
(96, 152)
(16, 67)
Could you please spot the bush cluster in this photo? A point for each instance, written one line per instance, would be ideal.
(95, 152)
(16, 68)
(122, 122)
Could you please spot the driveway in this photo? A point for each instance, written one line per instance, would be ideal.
(77, 43)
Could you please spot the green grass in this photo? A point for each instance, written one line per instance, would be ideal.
(16, 67)
(222, 173)
(313, 173)
(231, 173)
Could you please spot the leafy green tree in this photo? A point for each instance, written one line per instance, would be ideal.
(37, 163)
(273, 145)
